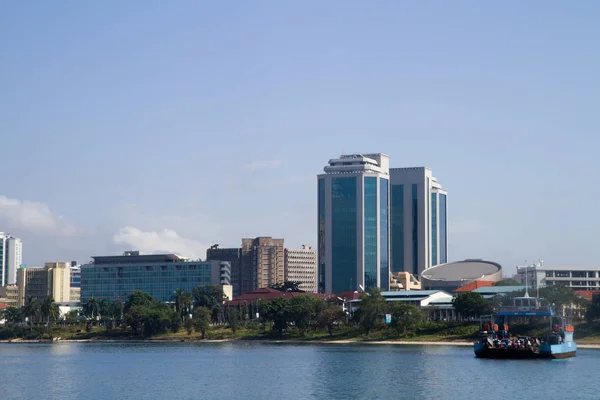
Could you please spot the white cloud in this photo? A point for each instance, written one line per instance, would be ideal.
(33, 216)
(261, 164)
(165, 241)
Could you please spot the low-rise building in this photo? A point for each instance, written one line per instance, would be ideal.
(9, 295)
(404, 281)
(301, 266)
(577, 278)
(160, 275)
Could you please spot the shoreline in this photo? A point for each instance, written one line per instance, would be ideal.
(273, 341)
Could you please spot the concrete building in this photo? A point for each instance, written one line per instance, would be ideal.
(52, 280)
(419, 220)
(160, 275)
(404, 281)
(353, 223)
(451, 276)
(263, 263)
(234, 257)
(75, 274)
(301, 266)
(10, 295)
(11, 258)
(578, 278)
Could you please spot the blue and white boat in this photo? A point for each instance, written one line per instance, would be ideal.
(497, 342)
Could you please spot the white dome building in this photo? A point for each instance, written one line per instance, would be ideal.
(453, 275)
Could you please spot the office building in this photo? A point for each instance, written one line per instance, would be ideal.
(263, 263)
(301, 266)
(11, 253)
(75, 275)
(51, 280)
(577, 278)
(160, 275)
(9, 295)
(353, 223)
(419, 220)
(234, 257)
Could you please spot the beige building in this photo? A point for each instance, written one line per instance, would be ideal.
(9, 295)
(263, 263)
(301, 266)
(53, 280)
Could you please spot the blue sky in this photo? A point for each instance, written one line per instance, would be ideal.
(173, 125)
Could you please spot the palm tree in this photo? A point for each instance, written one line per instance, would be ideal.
(183, 302)
(53, 312)
(31, 310)
(92, 307)
(104, 308)
(45, 307)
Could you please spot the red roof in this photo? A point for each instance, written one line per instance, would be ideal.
(586, 294)
(3, 306)
(269, 294)
(476, 284)
(349, 295)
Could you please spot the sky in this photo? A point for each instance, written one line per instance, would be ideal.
(170, 126)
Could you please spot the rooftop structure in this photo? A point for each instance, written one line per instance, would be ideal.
(576, 277)
(453, 275)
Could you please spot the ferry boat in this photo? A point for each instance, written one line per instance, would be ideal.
(497, 342)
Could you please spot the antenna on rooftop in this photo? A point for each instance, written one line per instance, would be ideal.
(526, 291)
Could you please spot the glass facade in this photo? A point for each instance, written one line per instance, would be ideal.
(415, 230)
(370, 231)
(434, 230)
(344, 234)
(117, 282)
(397, 231)
(384, 262)
(443, 230)
(321, 246)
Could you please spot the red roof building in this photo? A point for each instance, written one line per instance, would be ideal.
(476, 284)
(587, 294)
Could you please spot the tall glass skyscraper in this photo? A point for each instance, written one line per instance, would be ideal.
(353, 223)
(419, 221)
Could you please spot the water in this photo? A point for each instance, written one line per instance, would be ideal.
(95, 371)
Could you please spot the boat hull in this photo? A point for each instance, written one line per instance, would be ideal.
(546, 352)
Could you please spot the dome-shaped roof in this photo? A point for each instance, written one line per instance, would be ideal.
(461, 271)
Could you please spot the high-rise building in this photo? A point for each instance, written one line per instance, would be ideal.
(419, 220)
(11, 258)
(53, 280)
(234, 257)
(301, 266)
(353, 223)
(262, 263)
(75, 275)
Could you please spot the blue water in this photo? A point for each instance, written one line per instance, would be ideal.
(94, 371)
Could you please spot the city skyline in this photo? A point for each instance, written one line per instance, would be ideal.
(173, 128)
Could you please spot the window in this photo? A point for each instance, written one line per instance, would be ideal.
(343, 240)
(384, 252)
(370, 231)
(397, 227)
(434, 230)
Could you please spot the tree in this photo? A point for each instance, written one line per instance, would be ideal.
(276, 311)
(470, 304)
(183, 302)
(302, 311)
(12, 315)
(92, 307)
(593, 309)
(31, 310)
(202, 320)
(211, 297)
(372, 307)
(139, 298)
(188, 324)
(233, 318)
(405, 317)
(329, 316)
(288, 286)
(45, 306)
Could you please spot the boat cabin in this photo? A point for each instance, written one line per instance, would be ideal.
(526, 306)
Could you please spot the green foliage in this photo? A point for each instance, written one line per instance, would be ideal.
(593, 309)
(183, 302)
(287, 286)
(202, 320)
(148, 317)
(329, 317)
(302, 311)
(12, 315)
(371, 310)
(138, 299)
(211, 297)
(405, 317)
(470, 304)
(188, 324)
(276, 312)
